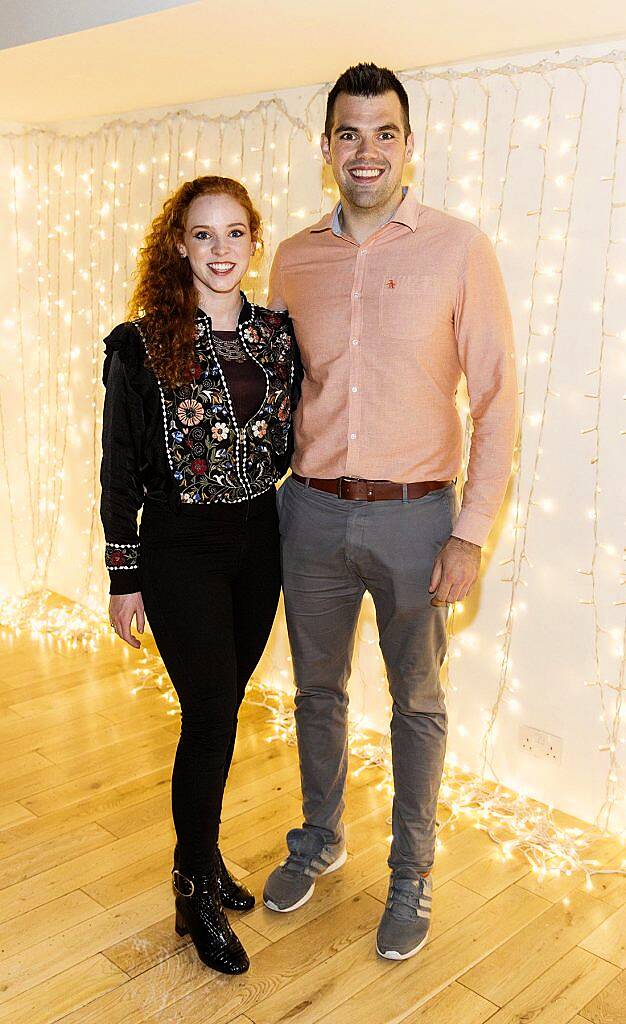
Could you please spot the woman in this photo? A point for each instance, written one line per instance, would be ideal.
(197, 417)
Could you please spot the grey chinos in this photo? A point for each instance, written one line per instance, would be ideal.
(333, 550)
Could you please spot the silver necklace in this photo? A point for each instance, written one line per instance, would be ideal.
(230, 349)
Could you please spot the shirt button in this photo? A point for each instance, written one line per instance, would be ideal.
(353, 437)
(355, 341)
(357, 295)
(354, 389)
(363, 252)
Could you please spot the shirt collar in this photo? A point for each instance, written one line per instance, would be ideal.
(408, 213)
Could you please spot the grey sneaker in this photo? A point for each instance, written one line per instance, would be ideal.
(404, 926)
(291, 884)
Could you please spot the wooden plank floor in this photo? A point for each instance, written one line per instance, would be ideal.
(86, 915)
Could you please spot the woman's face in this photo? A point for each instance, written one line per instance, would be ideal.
(217, 243)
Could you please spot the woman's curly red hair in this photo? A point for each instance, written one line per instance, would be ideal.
(165, 294)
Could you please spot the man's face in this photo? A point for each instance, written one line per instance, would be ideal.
(367, 149)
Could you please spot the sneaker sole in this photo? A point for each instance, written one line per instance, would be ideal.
(339, 863)
(392, 954)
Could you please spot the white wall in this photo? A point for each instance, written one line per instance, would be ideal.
(533, 187)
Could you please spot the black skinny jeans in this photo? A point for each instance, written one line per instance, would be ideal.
(210, 582)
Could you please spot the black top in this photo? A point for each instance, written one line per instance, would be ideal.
(192, 444)
(245, 378)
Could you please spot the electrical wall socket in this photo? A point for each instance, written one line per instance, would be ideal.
(540, 744)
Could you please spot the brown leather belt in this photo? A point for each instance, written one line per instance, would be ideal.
(352, 489)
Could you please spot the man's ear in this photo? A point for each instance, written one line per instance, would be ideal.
(409, 147)
(325, 148)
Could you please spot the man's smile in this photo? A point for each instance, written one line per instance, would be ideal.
(364, 173)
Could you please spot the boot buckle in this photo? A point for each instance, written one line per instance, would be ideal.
(176, 874)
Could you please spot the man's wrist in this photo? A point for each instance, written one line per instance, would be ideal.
(466, 543)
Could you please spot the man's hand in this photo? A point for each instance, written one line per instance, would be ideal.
(122, 608)
(455, 571)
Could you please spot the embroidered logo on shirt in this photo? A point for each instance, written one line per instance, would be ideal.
(390, 283)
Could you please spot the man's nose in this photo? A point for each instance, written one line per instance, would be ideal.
(366, 148)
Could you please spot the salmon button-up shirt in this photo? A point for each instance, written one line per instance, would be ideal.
(385, 330)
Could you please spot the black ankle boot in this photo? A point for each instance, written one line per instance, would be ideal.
(199, 912)
(233, 894)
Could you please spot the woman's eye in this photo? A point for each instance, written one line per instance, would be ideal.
(236, 233)
(202, 235)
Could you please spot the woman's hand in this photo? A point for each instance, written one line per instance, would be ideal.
(122, 608)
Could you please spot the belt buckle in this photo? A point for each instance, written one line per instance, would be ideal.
(349, 479)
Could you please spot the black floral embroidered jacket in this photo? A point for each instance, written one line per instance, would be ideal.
(184, 444)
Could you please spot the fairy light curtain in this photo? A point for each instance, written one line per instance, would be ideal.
(535, 154)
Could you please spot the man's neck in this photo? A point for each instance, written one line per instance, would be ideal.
(359, 223)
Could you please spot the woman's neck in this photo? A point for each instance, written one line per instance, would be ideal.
(224, 310)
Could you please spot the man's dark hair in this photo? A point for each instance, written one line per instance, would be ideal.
(367, 80)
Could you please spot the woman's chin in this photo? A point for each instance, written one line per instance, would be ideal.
(223, 285)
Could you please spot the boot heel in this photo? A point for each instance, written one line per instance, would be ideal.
(179, 925)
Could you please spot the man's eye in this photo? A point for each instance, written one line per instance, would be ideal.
(347, 136)
(387, 135)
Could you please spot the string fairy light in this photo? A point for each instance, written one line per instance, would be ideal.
(97, 193)
(611, 725)
(519, 557)
(514, 823)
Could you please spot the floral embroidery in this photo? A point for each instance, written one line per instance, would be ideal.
(121, 556)
(284, 409)
(214, 458)
(190, 412)
(219, 432)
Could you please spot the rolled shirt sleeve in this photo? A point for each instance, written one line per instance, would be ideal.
(484, 335)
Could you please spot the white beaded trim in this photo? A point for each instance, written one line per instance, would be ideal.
(238, 431)
(109, 544)
(233, 501)
(249, 495)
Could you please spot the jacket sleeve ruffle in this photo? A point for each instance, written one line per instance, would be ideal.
(124, 339)
(123, 432)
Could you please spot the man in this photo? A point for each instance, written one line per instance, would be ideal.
(391, 301)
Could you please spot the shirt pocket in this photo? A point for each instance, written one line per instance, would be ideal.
(409, 305)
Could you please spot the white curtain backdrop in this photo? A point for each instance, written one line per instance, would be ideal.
(534, 151)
